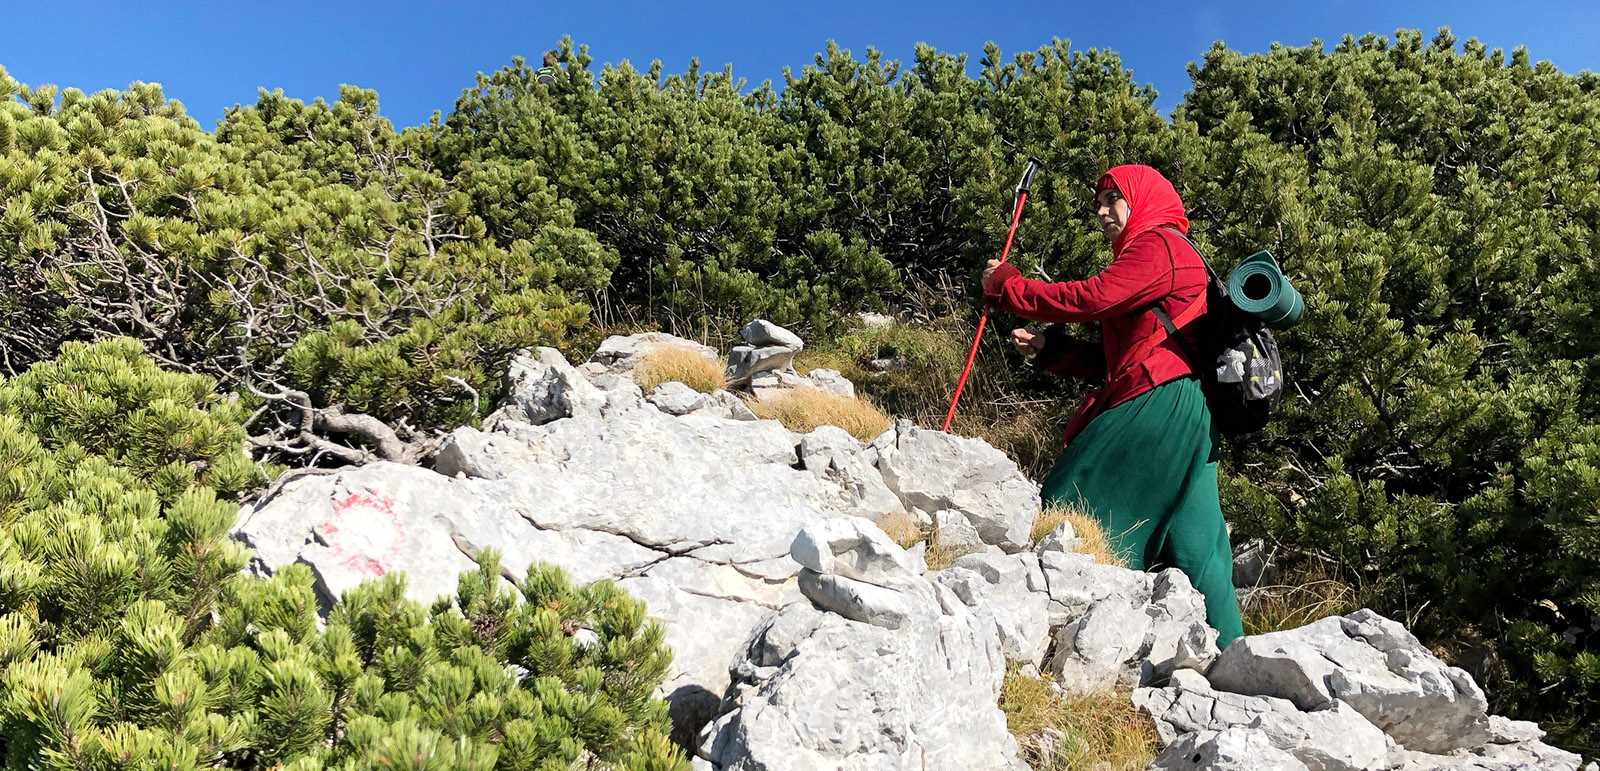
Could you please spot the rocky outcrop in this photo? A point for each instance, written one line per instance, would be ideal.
(1335, 738)
(1513, 745)
(1235, 749)
(767, 348)
(542, 387)
(621, 355)
(901, 674)
(1370, 663)
(1399, 702)
(690, 510)
(804, 637)
(1012, 587)
(1115, 627)
(831, 453)
(933, 471)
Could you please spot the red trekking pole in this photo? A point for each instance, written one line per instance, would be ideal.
(1034, 164)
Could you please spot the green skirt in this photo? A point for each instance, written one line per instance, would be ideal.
(1147, 470)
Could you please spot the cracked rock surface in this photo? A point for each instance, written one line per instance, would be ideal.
(692, 513)
(804, 637)
(896, 672)
(1333, 738)
(1374, 665)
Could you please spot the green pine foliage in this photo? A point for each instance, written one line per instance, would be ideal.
(298, 246)
(1437, 203)
(1440, 207)
(130, 638)
(858, 182)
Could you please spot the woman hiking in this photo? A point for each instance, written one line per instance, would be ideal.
(1139, 453)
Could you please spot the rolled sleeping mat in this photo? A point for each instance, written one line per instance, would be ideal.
(1259, 288)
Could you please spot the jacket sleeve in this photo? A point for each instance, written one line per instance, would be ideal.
(1135, 280)
(1065, 357)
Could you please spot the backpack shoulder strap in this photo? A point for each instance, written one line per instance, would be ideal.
(1202, 255)
(1170, 325)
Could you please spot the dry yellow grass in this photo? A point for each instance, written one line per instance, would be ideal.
(940, 556)
(804, 409)
(901, 529)
(1091, 539)
(1101, 730)
(668, 363)
(1311, 594)
(997, 405)
(1046, 521)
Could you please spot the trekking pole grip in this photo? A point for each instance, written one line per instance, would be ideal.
(1034, 165)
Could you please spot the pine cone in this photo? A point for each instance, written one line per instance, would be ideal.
(484, 626)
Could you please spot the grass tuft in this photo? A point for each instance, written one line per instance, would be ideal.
(1091, 539)
(940, 556)
(1098, 730)
(1046, 521)
(680, 363)
(1310, 594)
(901, 529)
(805, 409)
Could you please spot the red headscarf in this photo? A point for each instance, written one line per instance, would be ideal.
(1152, 202)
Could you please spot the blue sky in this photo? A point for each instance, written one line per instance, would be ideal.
(420, 55)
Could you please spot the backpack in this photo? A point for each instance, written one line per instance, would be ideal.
(1237, 358)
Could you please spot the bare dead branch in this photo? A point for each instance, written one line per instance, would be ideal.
(469, 389)
(336, 420)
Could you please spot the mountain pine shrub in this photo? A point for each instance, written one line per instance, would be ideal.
(302, 247)
(1437, 203)
(130, 638)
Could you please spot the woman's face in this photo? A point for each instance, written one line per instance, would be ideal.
(1112, 211)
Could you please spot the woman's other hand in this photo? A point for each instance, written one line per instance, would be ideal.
(1029, 341)
(989, 271)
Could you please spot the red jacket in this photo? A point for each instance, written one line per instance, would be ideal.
(1152, 266)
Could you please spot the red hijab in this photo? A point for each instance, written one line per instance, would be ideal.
(1152, 202)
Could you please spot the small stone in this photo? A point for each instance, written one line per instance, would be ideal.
(1252, 565)
(621, 392)
(871, 320)
(771, 384)
(1063, 539)
(585, 638)
(676, 398)
(541, 386)
(762, 333)
(853, 547)
(831, 381)
(745, 362)
(725, 404)
(1504, 730)
(952, 531)
(864, 602)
